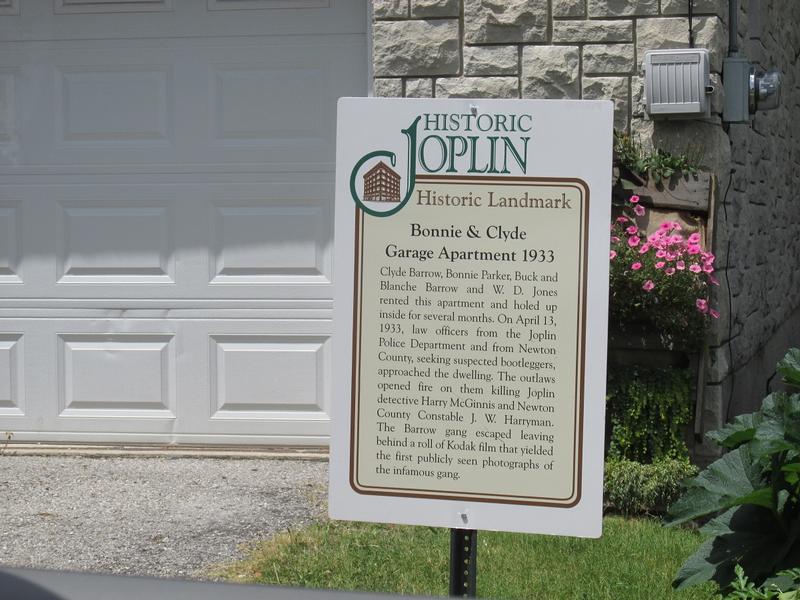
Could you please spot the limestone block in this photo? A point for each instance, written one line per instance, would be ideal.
(419, 88)
(477, 87)
(637, 97)
(569, 8)
(610, 88)
(622, 8)
(550, 72)
(491, 60)
(506, 21)
(608, 58)
(416, 48)
(673, 32)
(388, 88)
(434, 8)
(390, 9)
(592, 31)
(708, 7)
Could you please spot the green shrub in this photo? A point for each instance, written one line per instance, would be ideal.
(752, 493)
(634, 488)
(786, 586)
(647, 410)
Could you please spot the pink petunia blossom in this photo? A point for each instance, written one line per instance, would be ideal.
(660, 254)
(694, 238)
(707, 268)
(612, 255)
(631, 229)
(614, 239)
(702, 305)
(669, 271)
(713, 279)
(695, 268)
(644, 248)
(680, 265)
(676, 226)
(648, 285)
(665, 225)
(634, 199)
(693, 249)
(636, 266)
(633, 241)
(622, 219)
(639, 210)
(714, 314)
(660, 264)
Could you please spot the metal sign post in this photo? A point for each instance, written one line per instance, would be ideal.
(463, 562)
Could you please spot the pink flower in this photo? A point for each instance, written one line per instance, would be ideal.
(614, 239)
(636, 266)
(622, 219)
(675, 239)
(714, 314)
(612, 255)
(680, 265)
(669, 271)
(702, 305)
(660, 264)
(665, 225)
(713, 279)
(695, 268)
(707, 268)
(631, 230)
(660, 254)
(693, 249)
(634, 199)
(694, 238)
(633, 241)
(676, 226)
(644, 248)
(648, 285)
(655, 236)
(639, 210)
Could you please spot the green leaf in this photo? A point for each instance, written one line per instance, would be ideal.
(727, 482)
(747, 535)
(789, 367)
(779, 429)
(741, 430)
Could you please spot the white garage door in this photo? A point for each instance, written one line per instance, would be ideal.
(166, 194)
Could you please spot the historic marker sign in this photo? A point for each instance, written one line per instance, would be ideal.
(470, 313)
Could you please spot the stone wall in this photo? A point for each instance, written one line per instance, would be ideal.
(594, 49)
(534, 48)
(758, 224)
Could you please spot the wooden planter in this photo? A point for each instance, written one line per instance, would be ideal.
(681, 192)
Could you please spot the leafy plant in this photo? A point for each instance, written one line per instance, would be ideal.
(784, 587)
(632, 488)
(659, 281)
(656, 165)
(647, 410)
(756, 488)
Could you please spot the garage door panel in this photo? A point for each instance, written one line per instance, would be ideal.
(179, 101)
(10, 242)
(131, 19)
(12, 375)
(268, 376)
(115, 242)
(298, 249)
(117, 375)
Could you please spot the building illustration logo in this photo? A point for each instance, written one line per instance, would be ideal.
(381, 184)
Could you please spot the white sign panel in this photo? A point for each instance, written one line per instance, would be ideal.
(470, 313)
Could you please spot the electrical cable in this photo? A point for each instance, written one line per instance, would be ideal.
(731, 368)
(691, 14)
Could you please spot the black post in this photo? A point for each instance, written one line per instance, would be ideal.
(463, 559)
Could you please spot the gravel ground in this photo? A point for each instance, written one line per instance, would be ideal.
(161, 517)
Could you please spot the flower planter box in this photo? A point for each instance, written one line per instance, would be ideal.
(681, 192)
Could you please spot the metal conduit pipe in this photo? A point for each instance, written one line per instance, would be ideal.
(733, 27)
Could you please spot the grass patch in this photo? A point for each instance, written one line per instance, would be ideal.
(635, 559)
